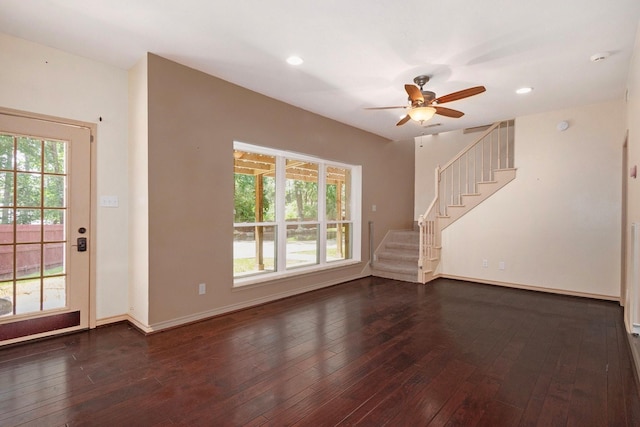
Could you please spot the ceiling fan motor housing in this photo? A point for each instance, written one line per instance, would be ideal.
(426, 94)
(428, 98)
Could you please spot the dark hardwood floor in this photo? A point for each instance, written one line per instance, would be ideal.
(371, 352)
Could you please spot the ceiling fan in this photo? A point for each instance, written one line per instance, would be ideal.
(424, 104)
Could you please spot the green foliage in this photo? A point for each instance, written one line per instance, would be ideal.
(332, 202)
(301, 200)
(32, 176)
(269, 198)
(245, 198)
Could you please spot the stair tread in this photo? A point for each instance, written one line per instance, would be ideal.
(413, 239)
(399, 245)
(398, 253)
(404, 262)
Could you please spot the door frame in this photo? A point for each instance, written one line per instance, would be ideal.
(93, 130)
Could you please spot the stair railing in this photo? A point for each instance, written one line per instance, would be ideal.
(474, 164)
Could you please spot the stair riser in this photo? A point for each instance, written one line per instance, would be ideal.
(397, 268)
(396, 276)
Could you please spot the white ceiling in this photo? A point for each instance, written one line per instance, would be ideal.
(360, 53)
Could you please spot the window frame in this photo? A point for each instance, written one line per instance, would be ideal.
(281, 224)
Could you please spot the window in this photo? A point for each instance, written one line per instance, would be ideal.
(292, 214)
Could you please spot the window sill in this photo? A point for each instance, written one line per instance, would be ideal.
(264, 279)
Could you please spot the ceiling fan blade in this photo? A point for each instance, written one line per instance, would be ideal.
(403, 120)
(385, 108)
(448, 112)
(459, 95)
(414, 93)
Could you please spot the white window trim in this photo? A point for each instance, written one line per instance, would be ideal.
(281, 223)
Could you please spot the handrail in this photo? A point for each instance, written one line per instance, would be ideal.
(470, 146)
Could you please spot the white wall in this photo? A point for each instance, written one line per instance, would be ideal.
(633, 188)
(139, 193)
(42, 80)
(557, 225)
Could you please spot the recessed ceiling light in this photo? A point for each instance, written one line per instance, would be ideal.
(294, 60)
(524, 90)
(599, 56)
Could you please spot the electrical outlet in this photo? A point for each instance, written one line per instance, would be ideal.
(485, 263)
(501, 265)
(202, 288)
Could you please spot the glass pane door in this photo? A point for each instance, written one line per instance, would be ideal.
(45, 227)
(33, 183)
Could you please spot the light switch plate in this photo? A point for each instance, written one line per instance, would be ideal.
(109, 201)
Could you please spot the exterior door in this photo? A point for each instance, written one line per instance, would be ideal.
(45, 213)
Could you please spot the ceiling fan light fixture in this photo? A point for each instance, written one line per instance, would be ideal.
(422, 114)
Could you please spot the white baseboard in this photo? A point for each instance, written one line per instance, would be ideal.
(240, 306)
(113, 319)
(533, 288)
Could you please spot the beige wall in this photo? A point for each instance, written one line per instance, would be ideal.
(557, 225)
(42, 80)
(193, 120)
(632, 306)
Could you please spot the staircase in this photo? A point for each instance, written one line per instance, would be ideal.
(477, 172)
(397, 256)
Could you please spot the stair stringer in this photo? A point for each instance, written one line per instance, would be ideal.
(484, 190)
